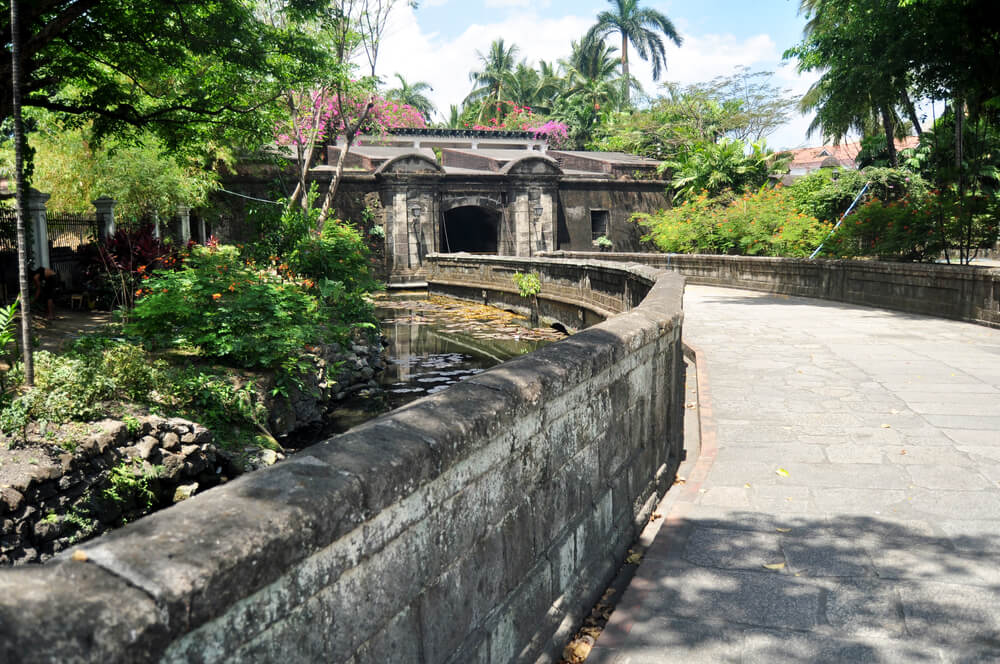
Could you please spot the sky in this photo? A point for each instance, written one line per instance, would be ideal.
(437, 43)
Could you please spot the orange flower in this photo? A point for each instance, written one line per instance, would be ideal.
(141, 269)
(232, 288)
(216, 296)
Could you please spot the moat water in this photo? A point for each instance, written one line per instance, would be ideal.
(434, 342)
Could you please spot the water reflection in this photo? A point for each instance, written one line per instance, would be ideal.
(434, 342)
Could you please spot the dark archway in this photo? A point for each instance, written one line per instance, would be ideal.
(470, 228)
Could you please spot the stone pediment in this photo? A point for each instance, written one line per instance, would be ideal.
(532, 164)
(410, 163)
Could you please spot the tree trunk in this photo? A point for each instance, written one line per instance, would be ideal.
(338, 173)
(890, 135)
(625, 82)
(21, 195)
(911, 111)
(350, 134)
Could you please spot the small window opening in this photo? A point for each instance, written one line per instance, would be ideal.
(598, 224)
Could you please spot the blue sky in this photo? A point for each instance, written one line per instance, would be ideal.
(437, 43)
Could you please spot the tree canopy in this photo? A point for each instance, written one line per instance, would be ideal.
(175, 67)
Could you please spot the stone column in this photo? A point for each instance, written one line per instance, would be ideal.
(156, 225)
(105, 216)
(184, 223)
(201, 230)
(522, 225)
(415, 214)
(38, 222)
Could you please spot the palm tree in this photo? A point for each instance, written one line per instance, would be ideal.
(22, 190)
(497, 65)
(640, 27)
(413, 95)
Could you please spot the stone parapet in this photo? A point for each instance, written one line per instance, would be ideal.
(474, 525)
(950, 291)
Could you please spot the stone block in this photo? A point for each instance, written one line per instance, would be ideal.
(233, 540)
(73, 611)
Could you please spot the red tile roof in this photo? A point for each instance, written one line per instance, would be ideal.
(810, 159)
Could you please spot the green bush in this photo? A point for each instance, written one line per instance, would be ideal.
(912, 229)
(826, 194)
(338, 253)
(230, 312)
(762, 224)
(99, 375)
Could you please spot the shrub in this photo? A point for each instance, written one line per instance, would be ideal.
(765, 223)
(826, 194)
(338, 253)
(229, 311)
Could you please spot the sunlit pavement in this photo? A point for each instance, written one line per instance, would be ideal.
(846, 505)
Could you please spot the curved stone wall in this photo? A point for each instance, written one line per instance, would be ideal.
(474, 525)
(951, 291)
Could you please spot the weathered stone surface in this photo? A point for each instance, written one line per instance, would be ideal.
(427, 534)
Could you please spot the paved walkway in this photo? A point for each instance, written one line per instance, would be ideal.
(846, 504)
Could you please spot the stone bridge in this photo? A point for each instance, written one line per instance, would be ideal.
(840, 499)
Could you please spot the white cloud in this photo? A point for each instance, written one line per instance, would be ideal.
(445, 63)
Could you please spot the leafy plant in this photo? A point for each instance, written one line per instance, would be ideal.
(129, 484)
(528, 285)
(765, 223)
(230, 311)
(603, 242)
(7, 338)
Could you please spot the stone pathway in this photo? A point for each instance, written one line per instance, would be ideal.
(846, 503)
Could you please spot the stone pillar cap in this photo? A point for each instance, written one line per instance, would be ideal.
(105, 200)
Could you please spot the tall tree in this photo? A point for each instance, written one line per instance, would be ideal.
(864, 49)
(22, 244)
(413, 94)
(497, 65)
(640, 27)
(176, 67)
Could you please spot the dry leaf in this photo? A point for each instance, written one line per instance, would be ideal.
(902, 451)
(680, 480)
(782, 472)
(656, 515)
(747, 485)
(80, 556)
(578, 649)
(775, 566)
(633, 558)
(784, 530)
(886, 426)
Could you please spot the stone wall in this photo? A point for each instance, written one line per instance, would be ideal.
(578, 197)
(951, 291)
(474, 525)
(52, 496)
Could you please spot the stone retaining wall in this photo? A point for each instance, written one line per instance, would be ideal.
(474, 525)
(52, 497)
(951, 291)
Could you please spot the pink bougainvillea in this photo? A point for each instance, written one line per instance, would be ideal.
(318, 117)
(521, 118)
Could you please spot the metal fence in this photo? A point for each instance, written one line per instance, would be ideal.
(72, 231)
(8, 229)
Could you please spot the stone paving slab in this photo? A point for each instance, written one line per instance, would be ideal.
(846, 504)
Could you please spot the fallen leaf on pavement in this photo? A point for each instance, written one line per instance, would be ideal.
(775, 566)
(784, 530)
(782, 472)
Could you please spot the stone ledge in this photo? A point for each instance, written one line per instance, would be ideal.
(189, 567)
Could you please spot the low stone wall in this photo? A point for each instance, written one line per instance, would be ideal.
(51, 497)
(576, 294)
(951, 291)
(474, 525)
